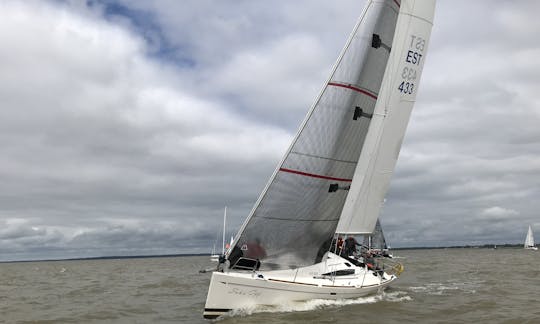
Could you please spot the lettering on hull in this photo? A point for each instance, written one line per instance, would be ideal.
(241, 292)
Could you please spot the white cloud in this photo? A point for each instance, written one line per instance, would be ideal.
(498, 213)
(93, 130)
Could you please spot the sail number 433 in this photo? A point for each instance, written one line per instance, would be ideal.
(412, 62)
(406, 87)
(409, 76)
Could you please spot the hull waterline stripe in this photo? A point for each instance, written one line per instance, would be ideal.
(348, 86)
(223, 310)
(318, 176)
(213, 313)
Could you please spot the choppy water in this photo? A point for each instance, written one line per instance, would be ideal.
(438, 286)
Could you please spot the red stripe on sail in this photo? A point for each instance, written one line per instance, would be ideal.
(362, 91)
(398, 4)
(314, 175)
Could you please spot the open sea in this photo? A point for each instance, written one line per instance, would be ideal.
(438, 286)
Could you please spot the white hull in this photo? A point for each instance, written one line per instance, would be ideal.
(534, 248)
(237, 290)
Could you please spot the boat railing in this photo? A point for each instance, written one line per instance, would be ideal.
(377, 263)
(389, 265)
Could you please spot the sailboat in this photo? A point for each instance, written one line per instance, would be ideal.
(214, 257)
(332, 181)
(529, 240)
(376, 243)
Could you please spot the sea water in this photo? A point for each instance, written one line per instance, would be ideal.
(438, 286)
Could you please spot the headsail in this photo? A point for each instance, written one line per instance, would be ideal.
(301, 205)
(390, 118)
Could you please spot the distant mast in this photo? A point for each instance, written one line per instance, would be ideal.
(224, 224)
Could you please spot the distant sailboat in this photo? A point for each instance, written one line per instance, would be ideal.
(333, 178)
(214, 257)
(376, 243)
(529, 241)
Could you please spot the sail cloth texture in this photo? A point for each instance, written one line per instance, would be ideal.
(391, 116)
(295, 217)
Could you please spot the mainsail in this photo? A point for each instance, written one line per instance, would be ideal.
(299, 210)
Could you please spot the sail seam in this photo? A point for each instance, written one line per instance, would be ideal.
(351, 87)
(324, 157)
(313, 175)
(298, 219)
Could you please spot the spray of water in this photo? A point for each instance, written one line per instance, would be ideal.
(315, 304)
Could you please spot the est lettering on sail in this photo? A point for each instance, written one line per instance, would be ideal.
(413, 58)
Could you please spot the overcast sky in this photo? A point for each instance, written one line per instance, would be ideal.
(127, 126)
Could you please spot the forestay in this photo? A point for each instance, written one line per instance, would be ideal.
(297, 213)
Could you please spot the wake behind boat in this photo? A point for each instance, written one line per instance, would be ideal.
(298, 241)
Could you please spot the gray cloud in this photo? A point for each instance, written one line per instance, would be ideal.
(125, 127)
(472, 145)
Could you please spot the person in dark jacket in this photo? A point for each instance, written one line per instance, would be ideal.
(350, 246)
